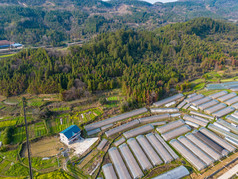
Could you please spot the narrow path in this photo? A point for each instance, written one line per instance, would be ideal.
(230, 172)
(217, 167)
(65, 165)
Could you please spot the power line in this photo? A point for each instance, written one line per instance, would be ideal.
(27, 139)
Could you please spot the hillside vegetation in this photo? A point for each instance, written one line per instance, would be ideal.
(144, 64)
(55, 21)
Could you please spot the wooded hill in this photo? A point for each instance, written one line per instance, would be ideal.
(52, 22)
(144, 64)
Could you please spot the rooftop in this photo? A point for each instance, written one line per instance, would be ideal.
(71, 131)
(5, 42)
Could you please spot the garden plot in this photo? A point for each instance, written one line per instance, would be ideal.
(61, 109)
(35, 130)
(55, 174)
(12, 101)
(16, 170)
(39, 129)
(10, 155)
(98, 111)
(85, 116)
(39, 164)
(82, 145)
(11, 121)
(49, 97)
(35, 102)
(114, 98)
(4, 166)
(19, 135)
(55, 125)
(113, 101)
(7, 123)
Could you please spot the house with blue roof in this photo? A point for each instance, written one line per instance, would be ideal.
(7, 44)
(70, 134)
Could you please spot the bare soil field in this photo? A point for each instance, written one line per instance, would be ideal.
(45, 147)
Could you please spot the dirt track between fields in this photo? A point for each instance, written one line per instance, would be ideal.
(217, 167)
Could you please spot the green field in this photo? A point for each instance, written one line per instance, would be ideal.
(55, 174)
(17, 170)
(35, 102)
(77, 171)
(11, 121)
(98, 112)
(229, 79)
(35, 130)
(9, 155)
(213, 75)
(61, 109)
(199, 86)
(208, 77)
(19, 135)
(20, 119)
(113, 101)
(112, 104)
(8, 123)
(40, 164)
(4, 166)
(208, 92)
(5, 56)
(85, 116)
(39, 129)
(55, 126)
(113, 98)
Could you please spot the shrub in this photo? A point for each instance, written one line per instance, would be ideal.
(7, 135)
(102, 101)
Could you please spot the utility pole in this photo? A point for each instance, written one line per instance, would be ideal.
(27, 138)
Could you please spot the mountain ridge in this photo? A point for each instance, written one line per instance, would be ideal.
(70, 20)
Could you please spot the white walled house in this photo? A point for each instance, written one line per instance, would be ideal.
(70, 134)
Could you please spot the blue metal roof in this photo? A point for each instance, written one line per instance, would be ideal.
(4, 46)
(71, 131)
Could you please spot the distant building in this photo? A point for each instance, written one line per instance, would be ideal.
(8, 44)
(70, 134)
(16, 45)
(5, 43)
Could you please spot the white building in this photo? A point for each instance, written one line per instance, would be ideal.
(70, 134)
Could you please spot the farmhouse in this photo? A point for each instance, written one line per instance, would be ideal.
(7, 44)
(70, 134)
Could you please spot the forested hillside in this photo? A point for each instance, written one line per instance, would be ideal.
(144, 64)
(54, 22)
